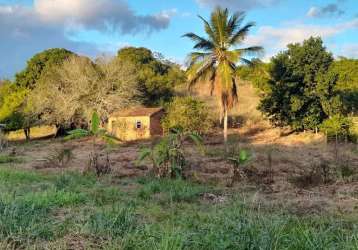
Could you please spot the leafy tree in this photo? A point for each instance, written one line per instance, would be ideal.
(256, 73)
(67, 95)
(301, 93)
(347, 83)
(38, 64)
(217, 57)
(187, 114)
(12, 108)
(157, 77)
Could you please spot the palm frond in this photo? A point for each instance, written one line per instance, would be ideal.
(201, 43)
(234, 22)
(209, 30)
(241, 34)
(199, 71)
(195, 57)
(253, 50)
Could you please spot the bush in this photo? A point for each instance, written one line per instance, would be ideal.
(187, 114)
(337, 125)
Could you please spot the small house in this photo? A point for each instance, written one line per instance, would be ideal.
(136, 124)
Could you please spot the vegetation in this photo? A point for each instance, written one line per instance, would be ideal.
(301, 92)
(168, 155)
(188, 114)
(157, 77)
(67, 210)
(217, 57)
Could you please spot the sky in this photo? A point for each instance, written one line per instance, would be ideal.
(95, 27)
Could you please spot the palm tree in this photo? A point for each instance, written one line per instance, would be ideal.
(217, 56)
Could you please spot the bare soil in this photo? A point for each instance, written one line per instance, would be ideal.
(291, 177)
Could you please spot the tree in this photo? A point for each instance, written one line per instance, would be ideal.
(68, 95)
(38, 64)
(301, 94)
(157, 77)
(217, 57)
(12, 107)
(188, 114)
(347, 83)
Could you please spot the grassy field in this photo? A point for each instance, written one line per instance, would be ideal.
(72, 211)
(36, 132)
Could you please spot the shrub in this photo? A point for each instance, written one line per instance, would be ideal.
(337, 125)
(168, 155)
(188, 114)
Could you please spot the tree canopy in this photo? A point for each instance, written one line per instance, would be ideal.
(347, 83)
(38, 64)
(301, 92)
(157, 77)
(70, 93)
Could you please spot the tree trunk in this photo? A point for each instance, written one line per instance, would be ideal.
(27, 133)
(225, 128)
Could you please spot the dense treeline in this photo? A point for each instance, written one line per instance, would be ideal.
(305, 88)
(60, 88)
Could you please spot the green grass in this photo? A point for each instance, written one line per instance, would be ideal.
(40, 211)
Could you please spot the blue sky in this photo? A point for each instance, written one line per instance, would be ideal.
(92, 27)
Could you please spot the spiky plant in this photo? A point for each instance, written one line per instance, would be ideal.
(217, 56)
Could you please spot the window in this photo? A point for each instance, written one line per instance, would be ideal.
(138, 124)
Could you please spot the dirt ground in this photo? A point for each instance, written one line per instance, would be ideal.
(296, 171)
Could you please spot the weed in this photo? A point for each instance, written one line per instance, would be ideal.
(60, 158)
(9, 159)
(115, 222)
(168, 155)
(98, 164)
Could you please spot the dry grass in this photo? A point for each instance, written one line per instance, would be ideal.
(36, 133)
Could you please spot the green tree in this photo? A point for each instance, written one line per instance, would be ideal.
(216, 57)
(38, 64)
(257, 74)
(301, 94)
(12, 107)
(347, 83)
(157, 77)
(188, 114)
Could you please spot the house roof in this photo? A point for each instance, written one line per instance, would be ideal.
(137, 112)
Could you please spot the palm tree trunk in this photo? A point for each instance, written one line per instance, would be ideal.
(225, 128)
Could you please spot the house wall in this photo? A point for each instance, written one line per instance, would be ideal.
(155, 124)
(124, 128)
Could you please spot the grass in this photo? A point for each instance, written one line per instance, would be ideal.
(49, 211)
(36, 132)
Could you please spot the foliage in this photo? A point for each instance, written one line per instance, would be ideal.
(39, 64)
(168, 155)
(337, 125)
(347, 84)
(257, 73)
(238, 158)
(216, 58)
(157, 77)
(12, 99)
(67, 95)
(188, 114)
(301, 92)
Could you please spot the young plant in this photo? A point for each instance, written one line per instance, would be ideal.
(168, 155)
(238, 158)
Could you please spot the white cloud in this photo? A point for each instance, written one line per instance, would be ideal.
(25, 30)
(329, 10)
(275, 39)
(238, 4)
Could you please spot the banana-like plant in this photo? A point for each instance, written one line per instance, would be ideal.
(168, 155)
